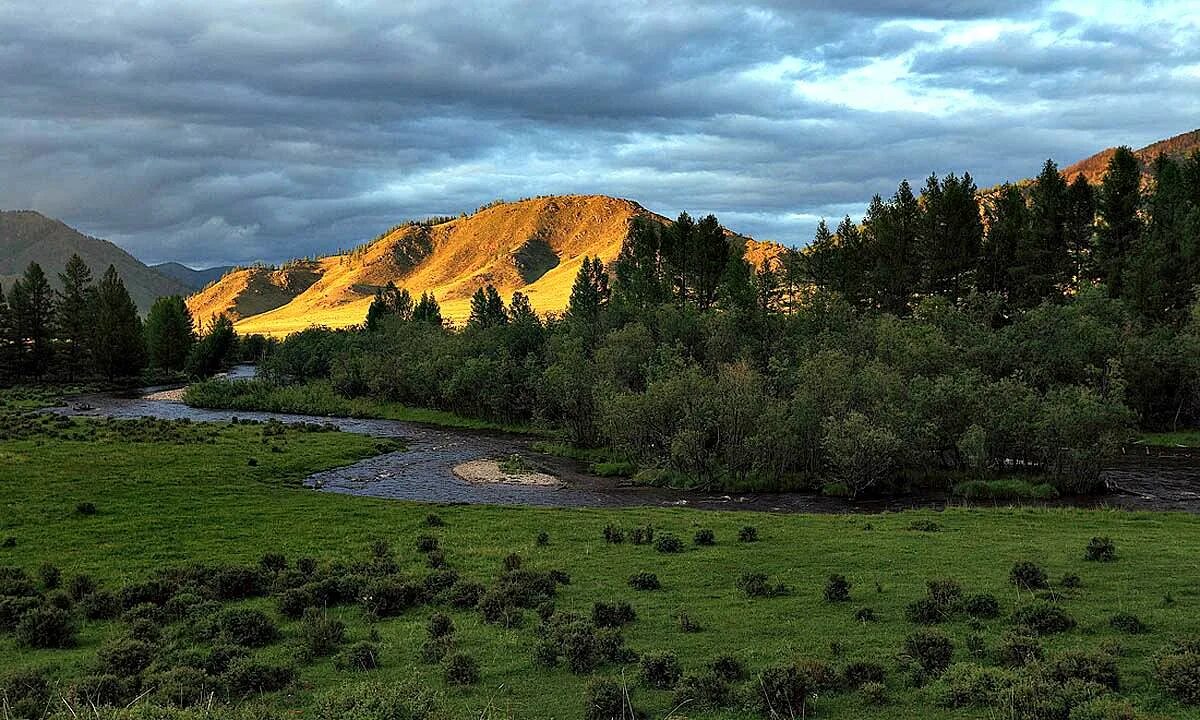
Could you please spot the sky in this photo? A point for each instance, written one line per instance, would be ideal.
(226, 131)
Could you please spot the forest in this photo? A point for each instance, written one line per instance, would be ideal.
(1024, 331)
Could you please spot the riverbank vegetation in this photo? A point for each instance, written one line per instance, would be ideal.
(952, 335)
(143, 561)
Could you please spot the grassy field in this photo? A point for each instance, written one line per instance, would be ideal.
(170, 494)
(1178, 438)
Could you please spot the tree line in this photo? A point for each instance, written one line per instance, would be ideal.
(91, 329)
(953, 333)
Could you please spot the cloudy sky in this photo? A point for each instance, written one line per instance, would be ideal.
(228, 131)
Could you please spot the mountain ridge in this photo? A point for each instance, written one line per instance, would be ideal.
(28, 236)
(1094, 167)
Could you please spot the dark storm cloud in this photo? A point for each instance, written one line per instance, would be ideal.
(238, 131)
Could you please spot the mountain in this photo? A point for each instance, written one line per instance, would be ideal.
(194, 279)
(1094, 167)
(535, 246)
(27, 236)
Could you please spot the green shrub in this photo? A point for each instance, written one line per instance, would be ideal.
(705, 691)
(12, 608)
(388, 597)
(1127, 623)
(380, 701)
(125, 657)
(100, 605)
(931, 651)
(982, 606)
(1085, 666)
(46, 627)
(837, 589)
(612, 615)
(607, 699)
(320, 634)
(465, 594)
(704, 536)
(361, 656)
(439, 625)
(245, 627)
(50, 576)
(1100, 549)
(1043, 619)
(783, 692)
(644, 581)
(756, 584)
(183, 687)
(1104, 708)
(434, 520)
(728, 667)
(1177, 670)
(865, 615)
(860, 672)
(642, 535)
(427, 543)
(1071, 581)
(246, 677)
(512, 561)
(1028, 576)
(1017, 649)
(435, 649)
(668, 543)
(26, 693)
(273, 562)
(924, 526)
(613, 534)
(543, 538)
(85, 509)
(81, 586)
(874, 693)
(661, 670)
(748, 533)
(462, 669)
(687, 623)
(968, 685)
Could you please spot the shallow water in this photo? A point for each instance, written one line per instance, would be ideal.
(1142, 479)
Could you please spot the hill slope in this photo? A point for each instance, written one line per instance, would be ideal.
(1094, 167)
(193, 279)
(535, 246)
(27, 236)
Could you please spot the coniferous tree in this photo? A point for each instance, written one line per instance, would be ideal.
(1156, 279)
(118, 345)
(712, 255)
(824, 259)
(521, 310)
(951, 236)
(74, 315)
(1007, 225)
(32, 305)
(638, 270)
(487, 308)
(1042, 267)
(214, 348)
(427, 310)
(1119, 203)
(890, 237)
(1081, 227)
(678, 248)
(8, 346)
(170, 333)
(389, 302)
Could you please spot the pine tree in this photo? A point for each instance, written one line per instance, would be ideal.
(118, 345)
(1007, 226)
(32, 305)
(522, 311)
(678, 249)
(638, 270)
(952, 233)
(1119, 227)
(1156, 279)
(214, 349)
(712, 255)
(487, 308)
(890, 233)
(170, 333)
(427, 310)
(8, 346)
(74, 315)
(1080, 227)
(389, 302)
(1043, 260)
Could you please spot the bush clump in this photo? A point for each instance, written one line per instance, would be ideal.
(661, 670)
(837, 589)
(462, 669)
(320, 634)
(931, 651)
(704, 536)
(1127, 623)
(612, 615)
(245, 627)
(1018, 649)
(607, 699)
(1043, 619)
(756, 584)
(668, 543)
(361, 656)
(1177, 670)
(46, 626)
(613, 534)
(687, 623)
(642, 535)
(1027, 575)
(434, 520)
(982, 606)
(783, 692)
(748, 533)
(644, 581)
(246, 677)
(125, 657)
(1100, 549)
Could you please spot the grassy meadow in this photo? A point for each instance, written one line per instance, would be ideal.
(171, 494)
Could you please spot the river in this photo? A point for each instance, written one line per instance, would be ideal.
(1141, 479)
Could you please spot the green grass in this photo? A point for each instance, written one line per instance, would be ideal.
(319, 398)
(1003, 490)
(182, 499)
(1184, 438)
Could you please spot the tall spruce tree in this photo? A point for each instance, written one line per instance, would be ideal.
(118, 345)
(427, 310)
(711, 256)
(1043, 259)
(170, 333)
(8, 346)
(1156, 279)
(74, 315)
(389, 302)
(1007, 225)
(487, 308)
(638, 270)
(1120, 225)
(32, 304)
(951, 236)
(893, 267)
(1081, 227)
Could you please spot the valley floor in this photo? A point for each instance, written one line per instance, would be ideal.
(168, 494)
